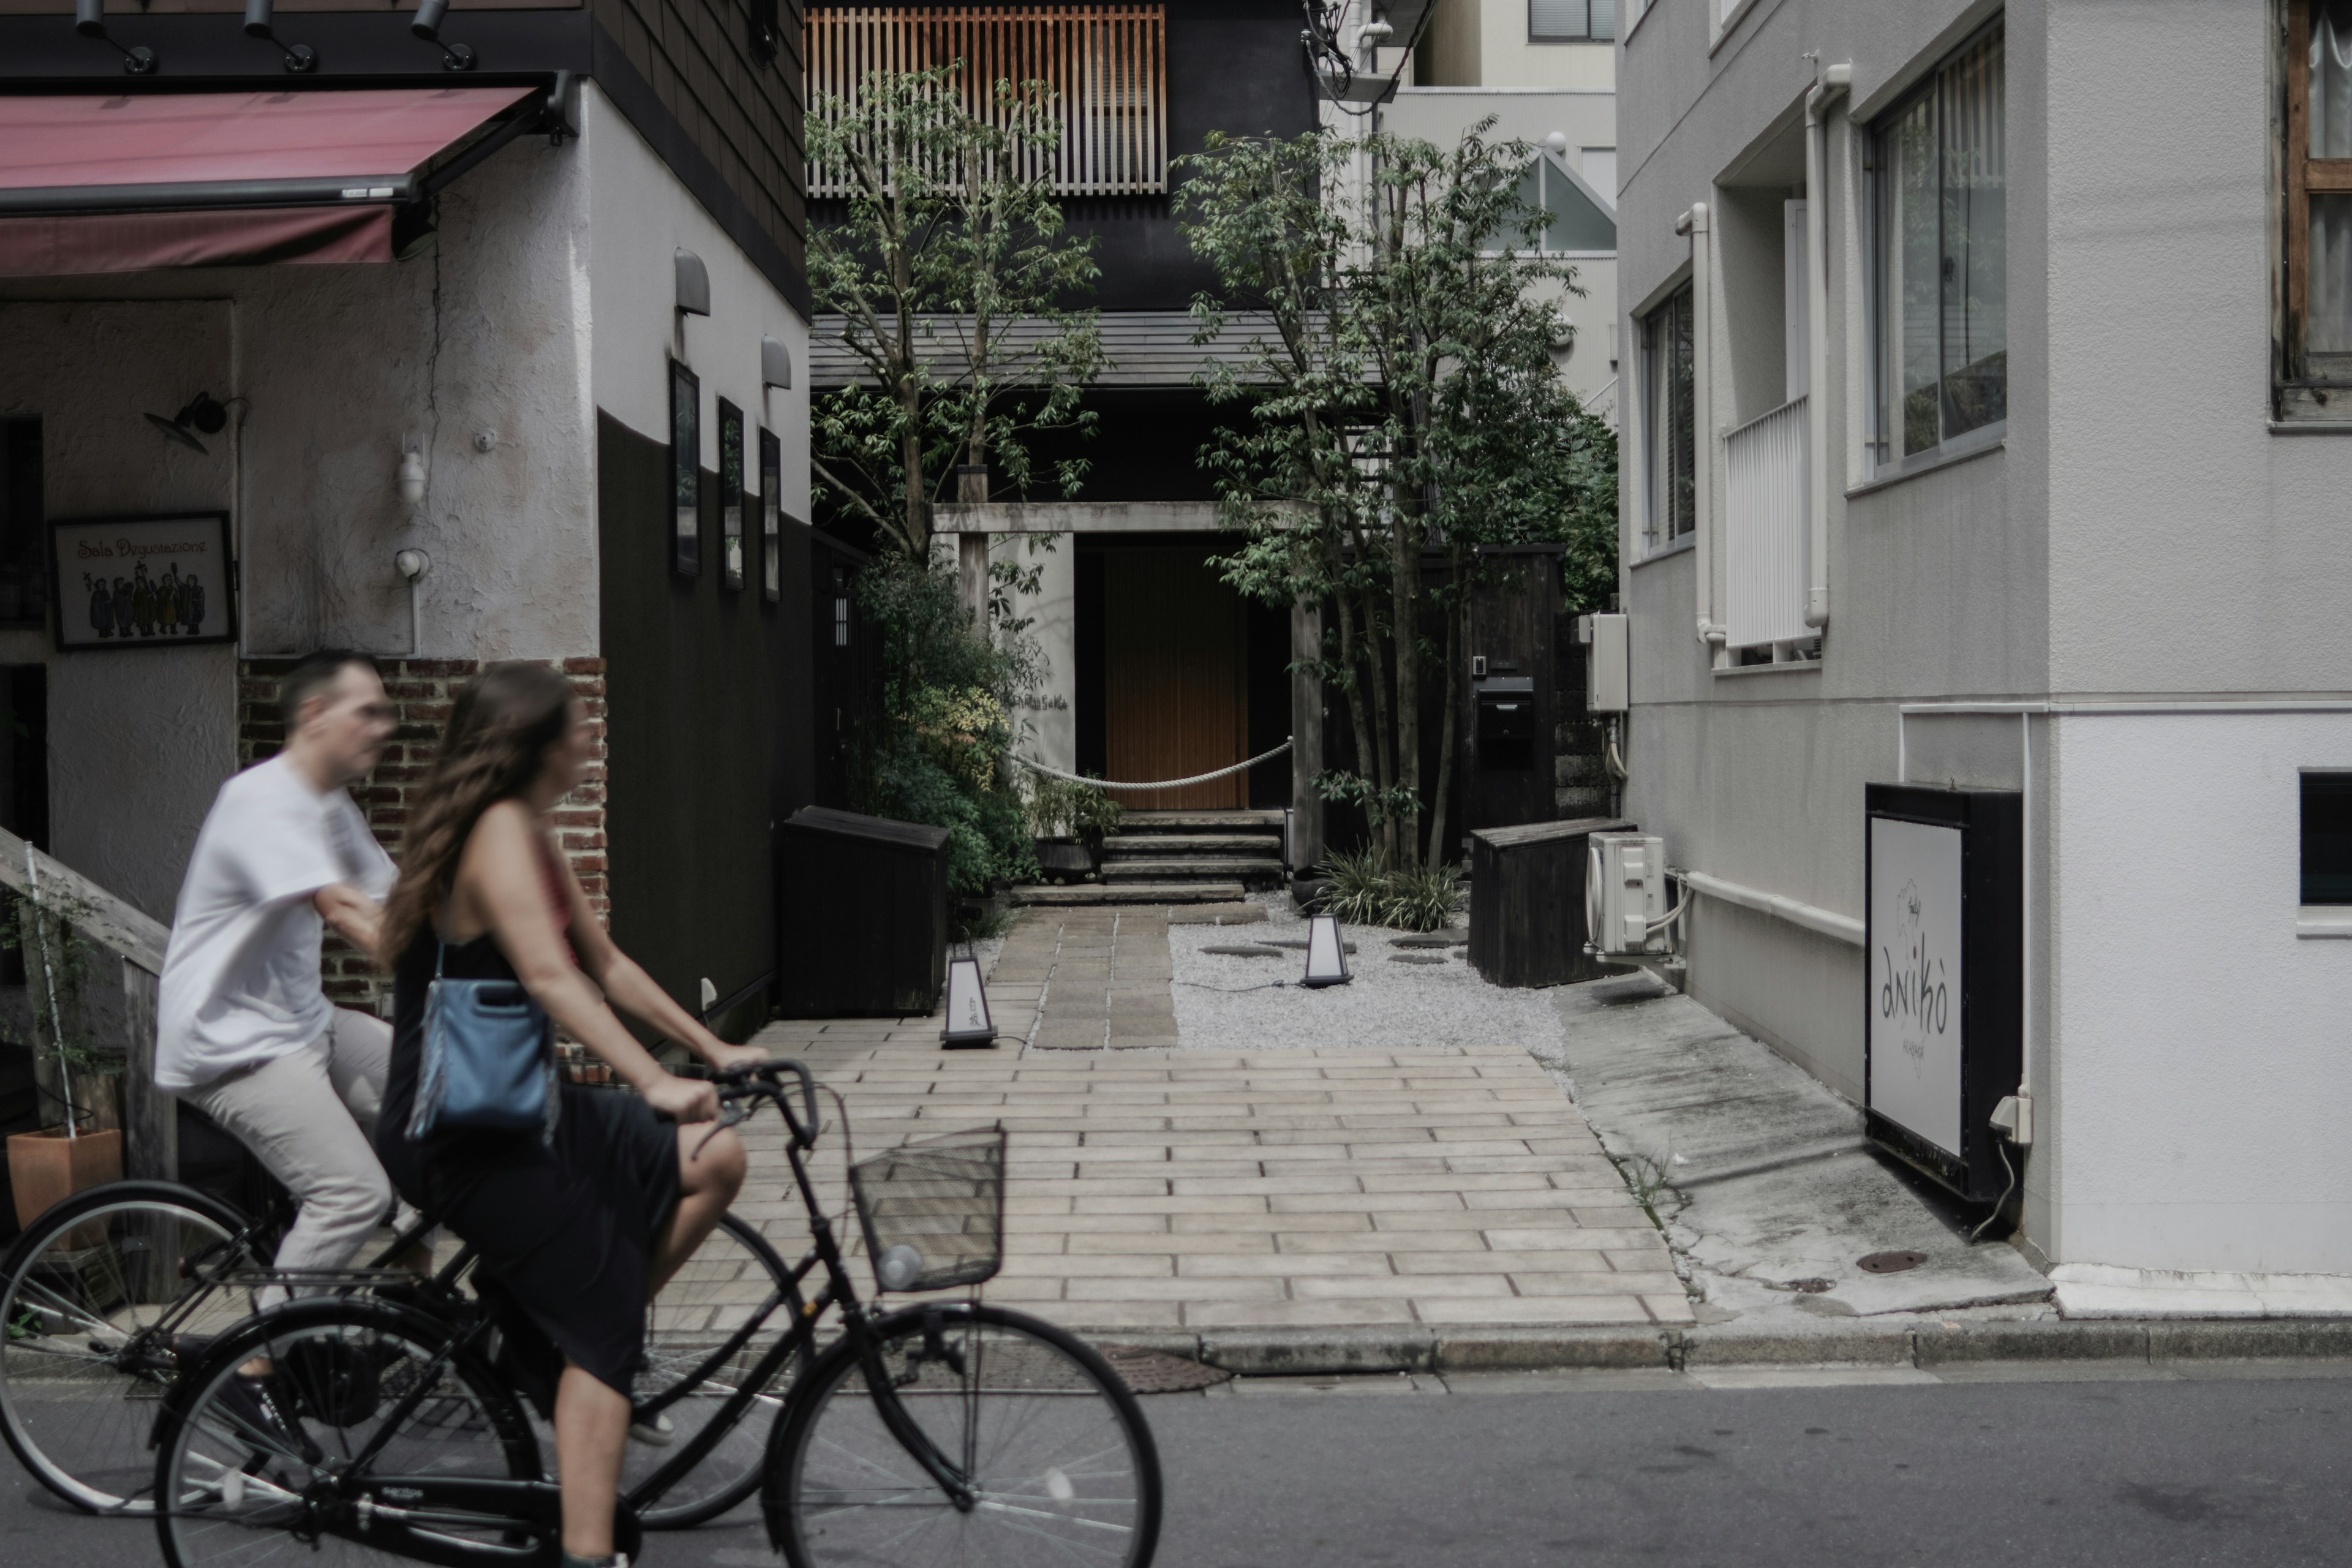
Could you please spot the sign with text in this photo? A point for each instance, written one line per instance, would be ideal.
(142, 581)
(1915, 900)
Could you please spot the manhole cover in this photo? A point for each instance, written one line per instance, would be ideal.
(1156, 1371)
(1892, 1262)
(1416, 958)
(1249, 951)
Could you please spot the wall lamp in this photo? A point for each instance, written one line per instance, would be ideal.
(205, 415)
(693, 284)
(775, 364)
(90, 21)
(300, 59)
(426, 25)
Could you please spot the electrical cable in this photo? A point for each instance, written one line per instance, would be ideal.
(1329, 45)
(2001, 1147)
(1234, 990)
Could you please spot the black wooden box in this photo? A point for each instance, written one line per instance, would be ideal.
(864, 926)
(1526, 902)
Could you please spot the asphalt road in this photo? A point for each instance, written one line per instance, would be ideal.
(2087, 1470)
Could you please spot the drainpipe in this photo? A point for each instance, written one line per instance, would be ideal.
(1829, 81)
(1694, 223)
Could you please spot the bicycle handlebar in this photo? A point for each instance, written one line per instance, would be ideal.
(760, 1083)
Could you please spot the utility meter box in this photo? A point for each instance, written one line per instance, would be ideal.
(1944, 1041)
(1608, 682)
(1625, 894)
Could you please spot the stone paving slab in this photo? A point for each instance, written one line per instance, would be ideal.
(1151, 1189)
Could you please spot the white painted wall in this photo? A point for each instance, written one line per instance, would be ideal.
(2201, 1070)
(641, 214)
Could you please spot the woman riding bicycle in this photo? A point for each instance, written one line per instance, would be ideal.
(583, 1230)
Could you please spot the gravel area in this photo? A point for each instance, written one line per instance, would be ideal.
(1386, 1006)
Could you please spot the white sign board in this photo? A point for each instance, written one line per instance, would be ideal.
(1914, 978)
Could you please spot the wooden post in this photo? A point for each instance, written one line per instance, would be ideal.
(1306, 738)
(151, 1118)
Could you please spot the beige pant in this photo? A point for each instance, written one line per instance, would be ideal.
(309, 1117)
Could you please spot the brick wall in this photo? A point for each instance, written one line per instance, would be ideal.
(422, 690)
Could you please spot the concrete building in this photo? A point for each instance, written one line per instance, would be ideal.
(533, 322)
(1979, 435)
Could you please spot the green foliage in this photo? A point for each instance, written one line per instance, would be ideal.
(939, 753)
(1059, 809)
(1364, 891)
(947, 249)
(1405, 398)
(58, 960)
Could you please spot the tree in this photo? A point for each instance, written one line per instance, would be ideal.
(951, 254)
(1404, 404)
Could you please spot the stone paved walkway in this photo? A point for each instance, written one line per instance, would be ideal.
(1152, 1187)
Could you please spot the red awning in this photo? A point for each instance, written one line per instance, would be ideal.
(220, 179)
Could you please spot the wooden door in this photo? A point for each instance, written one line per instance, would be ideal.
(1175, 699)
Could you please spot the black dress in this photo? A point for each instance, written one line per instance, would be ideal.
(566, 1228)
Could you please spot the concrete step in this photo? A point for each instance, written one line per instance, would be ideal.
(1267, 866)
(1199, 821)
(1093, 893)
(1150, 845)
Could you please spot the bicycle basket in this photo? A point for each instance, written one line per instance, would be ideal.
(933, 1211)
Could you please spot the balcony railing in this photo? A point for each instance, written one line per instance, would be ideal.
(1106, 67)
(1764, 526)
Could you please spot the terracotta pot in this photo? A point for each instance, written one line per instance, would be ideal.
(47, 1167)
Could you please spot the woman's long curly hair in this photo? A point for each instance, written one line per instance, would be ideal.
(494, 746)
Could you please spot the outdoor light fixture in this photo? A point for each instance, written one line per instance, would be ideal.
(202, 415)
(300, 59)
(968, 1021)
(90, 21)
(412, 478)
(775, 364)
(426, 25)
(693, 284)
(1327, 955)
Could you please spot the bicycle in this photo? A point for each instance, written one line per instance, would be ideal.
(944, 1430)
(108, 1296)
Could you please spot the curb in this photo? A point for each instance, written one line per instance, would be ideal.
(1440, 1348)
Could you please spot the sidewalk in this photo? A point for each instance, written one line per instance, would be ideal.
(1156, 1188)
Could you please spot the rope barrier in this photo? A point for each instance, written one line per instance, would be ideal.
(1170, 783)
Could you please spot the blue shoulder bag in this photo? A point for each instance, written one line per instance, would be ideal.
(488, 1060)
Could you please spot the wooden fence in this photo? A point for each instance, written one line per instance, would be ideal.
(1106, 66)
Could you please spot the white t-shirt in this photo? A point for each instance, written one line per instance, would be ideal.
(241, 976)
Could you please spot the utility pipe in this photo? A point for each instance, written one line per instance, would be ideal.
(1694, 223)
(1828, 82)
(1811, 917)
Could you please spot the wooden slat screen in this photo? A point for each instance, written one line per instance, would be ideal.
(1107, 64)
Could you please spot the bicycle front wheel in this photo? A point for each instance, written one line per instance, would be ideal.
(98, 1300)
(1052, 1442)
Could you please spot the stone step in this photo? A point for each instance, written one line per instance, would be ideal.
(1199, 821)
(1130, 893)
(1146, 846)
(1267, 866)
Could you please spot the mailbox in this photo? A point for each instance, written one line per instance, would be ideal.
(1507, 721)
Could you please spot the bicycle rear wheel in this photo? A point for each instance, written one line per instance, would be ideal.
(248, 1471)
(713, 1295)
(1052, 1441)
(83, 1294)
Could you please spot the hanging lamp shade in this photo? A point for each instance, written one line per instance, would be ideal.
(1327, 955)
(967, 1023)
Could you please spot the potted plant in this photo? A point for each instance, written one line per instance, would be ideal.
(84, 1148)
(1070, 819)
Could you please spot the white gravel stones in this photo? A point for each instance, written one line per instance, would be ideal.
(1226, 1004)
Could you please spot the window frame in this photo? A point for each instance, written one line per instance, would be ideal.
(686, 471)
(1658, 536)
(1884, 410)
(1586, 36)
(1578, 182)
(772, 516)
(2303, 176)
(731, 548)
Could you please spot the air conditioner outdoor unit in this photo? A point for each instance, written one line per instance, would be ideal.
(1625, 895)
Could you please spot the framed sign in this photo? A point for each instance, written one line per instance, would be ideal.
(772, 517)
(1945, 1031)
(731, 494)
(684, 470)
(155, 581)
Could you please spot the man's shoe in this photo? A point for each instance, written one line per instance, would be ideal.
(656, 1431)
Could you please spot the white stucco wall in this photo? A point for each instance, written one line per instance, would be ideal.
(641, 214)
(2200, 1074)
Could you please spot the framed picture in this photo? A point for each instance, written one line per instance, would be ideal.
(772, 517)
(684, 470)
(731, 494)
(156, 581)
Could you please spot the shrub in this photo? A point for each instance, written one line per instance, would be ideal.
(1060, 809)
(1363, 893)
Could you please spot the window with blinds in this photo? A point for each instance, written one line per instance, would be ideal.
(1106, 65)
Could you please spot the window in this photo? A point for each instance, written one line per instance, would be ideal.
(772, 517)
(2319, 197)
(1574, 223)
(1600, 168)
(731, 494)
(23, 535)
(1571, 21)
(1941, 271)
(1668, 424)
(686, 471)
(2327, 838)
